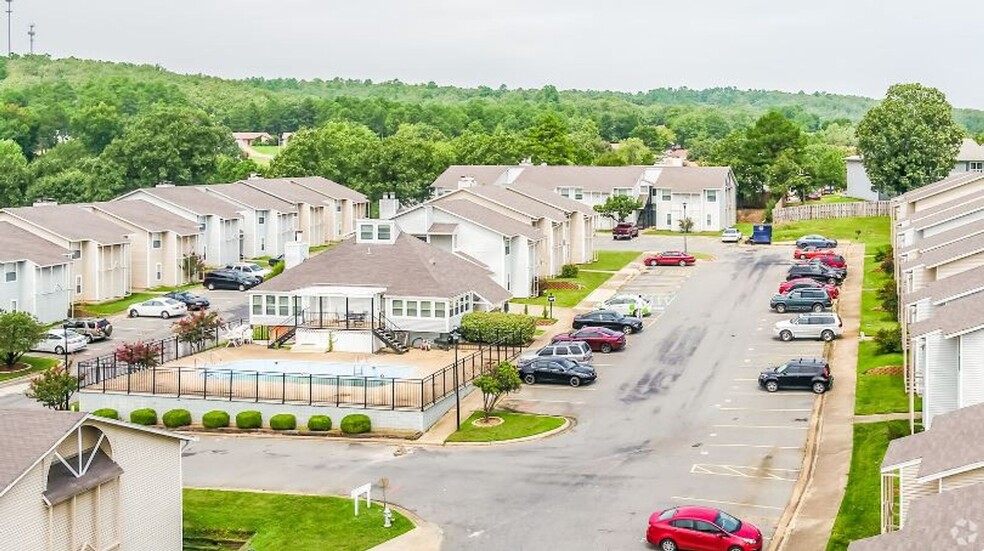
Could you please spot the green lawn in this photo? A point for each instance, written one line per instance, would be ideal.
(285, 521)
(612, 261)
(516, 425)
(36, 365)
(680, 234)
(271, 150)
(115, 306)
(609, 261)
(874, 230)
(860, 511)
(166, 289)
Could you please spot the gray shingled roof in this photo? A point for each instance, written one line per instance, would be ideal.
(970, 150)
(521, 203)
(953, 442)
(26, 435)
(948, 236)
(483, 175)
(551, 198)
(588, 178)
(17, 244)
(194, 199)
(692, 179)
(930, 523)
(947, 253)
(330, 188)
(941, 290)
(408, 267)
(488, 218)
(946, 205)
(953, 318)
(442, 228)
(287, 190)
(251, 197)
(73, 223)
(148, 216)
(962, 206)
(946, 184)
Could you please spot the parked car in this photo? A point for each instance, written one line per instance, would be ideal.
(842, 272)
(831, 260)
(816, 272)
(598, 338)
(805, 282)
(630, 305)
(670, 258)
(731, 235)
(625, 230)
(557, 370)
(814, 240)
(701, 528)
(802, 373)
(609, 319)
(810, 252)
(800, 300)
(825, 326)
(158, 307)
(814, 195)
(250, 269)
(577, 351)
(57, 340)
(93, 329)
(193, 302)
(229, 279)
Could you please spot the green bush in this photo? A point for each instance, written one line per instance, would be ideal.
(319, 423)
(108, 413)
(143, 416)
(888, 294)
(889, 340)
(283, 421)
(487, 327)
(569, 271)
(277, 269)
(177, 418)
(357, 423)
(215, 420)
(249, 420)
(768, 210)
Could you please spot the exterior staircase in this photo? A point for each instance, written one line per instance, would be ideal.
(283, 338)
(390, 339)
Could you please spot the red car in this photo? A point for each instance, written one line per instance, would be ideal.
(671, 258)
(625, 230)
(810, 252)
(600, 339)
(801, 282)
(833, 260)
(701, 529)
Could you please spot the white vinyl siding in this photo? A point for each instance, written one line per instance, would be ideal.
(909, 489)
(972, 368)
(962, 480)
(942, 377)
(959, 266)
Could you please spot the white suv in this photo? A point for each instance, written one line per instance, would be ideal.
(250, 269)
(731, 235)
(825, 326)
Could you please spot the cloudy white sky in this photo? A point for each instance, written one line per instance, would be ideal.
(845, 46)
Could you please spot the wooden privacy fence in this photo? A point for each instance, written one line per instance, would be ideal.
(830, 210)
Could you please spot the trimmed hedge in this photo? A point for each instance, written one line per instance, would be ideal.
(177, 418)
(215, 419)
(249, 420)
(319, 423)
(568, 271)
(357, 423)
(486, 327)
(143, 416)
(283, 421)
(108, 413)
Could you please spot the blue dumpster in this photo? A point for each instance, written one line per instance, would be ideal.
(761, 234)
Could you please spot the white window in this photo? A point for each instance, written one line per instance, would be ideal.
(975, 166)
(283, 306)
(669, 219)
(411, 308)
(13, 305)
(578, 193)
(155, 240)
(712, 196)
(383, 232)
(665, 195)
(261, 219)
(440, 309)
(397, 307)
(426, 307)
(564, 192)
(365, 232)
(509, 282)
(507, 242)
(271, 305)
(78, 285)
(10, 275)
(263, 243)
(257, 305)
(622, 191)
(708, 220)
(158, 269)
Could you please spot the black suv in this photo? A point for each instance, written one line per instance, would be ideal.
(817, 272)
(193, 302)
(801, 300)
(812, 373)
(93, 329)
(610, 319)
(229, 279)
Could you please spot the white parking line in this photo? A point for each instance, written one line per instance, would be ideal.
(734, 503)
(744, 471)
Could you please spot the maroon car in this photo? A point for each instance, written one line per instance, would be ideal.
(600, 339)
(625, 230)
(671, 258)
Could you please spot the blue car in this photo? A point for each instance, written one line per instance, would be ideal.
(818, 241)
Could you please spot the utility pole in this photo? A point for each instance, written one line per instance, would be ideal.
(10, 10)
(30, 34)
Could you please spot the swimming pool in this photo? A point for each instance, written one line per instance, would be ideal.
(296, 367)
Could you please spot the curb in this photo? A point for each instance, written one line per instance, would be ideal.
(569, 423)
(395, 441)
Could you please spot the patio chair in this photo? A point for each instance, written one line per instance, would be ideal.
(443, 341)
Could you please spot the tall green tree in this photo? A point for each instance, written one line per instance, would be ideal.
(631, 151)
(96, 126)
(340, 151)
(657, 138)
(479, 148)
(825, 165)
(19, 332)
(408, 161)
(13, 174)
(786, 175)
(548, 141)
(908, 140)
(618, 207)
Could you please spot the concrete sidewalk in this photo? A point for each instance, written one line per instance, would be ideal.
(425, 537)
(807, 522)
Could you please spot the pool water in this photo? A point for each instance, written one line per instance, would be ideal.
(296, 367)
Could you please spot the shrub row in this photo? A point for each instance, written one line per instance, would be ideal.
(356, 423)
(488, 327)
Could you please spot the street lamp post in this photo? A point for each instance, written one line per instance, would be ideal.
(551, 299)
(684, 228)
(65, 335)
(455, 337)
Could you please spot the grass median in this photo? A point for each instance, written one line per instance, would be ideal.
(590, 277)
(27, 366)
(286, 521)
(514, 425)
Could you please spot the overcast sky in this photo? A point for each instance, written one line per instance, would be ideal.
(845, 46)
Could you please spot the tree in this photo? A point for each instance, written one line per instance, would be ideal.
(19, 332)
(410, 160)
(631, 151)
(686, 224)
(618, 207)
(825, 165)
(96, 126)
(139, 355)
(198, 327)
(340, 151)
(478, 148)
(657, 138)
(547, 141)
(13, 174)
(908, 140)
(54, 388)
(786, 175)
(495, 384)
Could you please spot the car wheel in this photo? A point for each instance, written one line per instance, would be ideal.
(627, 329)
(735, 548)
(59, 350)
(133, 313)
(772, 386)
(818, 307)
(88, 339)
(649, 263)
(606, 348)
(832, 281)
(819, 388)
(242, 287)
(786, 335)
(575, 382)
(576, 326)
(781, 308)
(827, 335)
(529, 379)
(165, 315)
(683, 262)
(211, 286)
(668, 545)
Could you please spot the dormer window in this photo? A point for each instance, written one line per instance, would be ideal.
(376, 231)
(365, 232)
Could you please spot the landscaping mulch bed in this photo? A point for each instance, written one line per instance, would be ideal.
(886, 370)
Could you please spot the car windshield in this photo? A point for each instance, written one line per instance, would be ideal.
(253, 267)
(171, 301)
(727, 522)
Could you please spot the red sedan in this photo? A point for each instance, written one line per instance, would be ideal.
(833, 260)
(600, 339)
(810, 252)
(671, 258)
(801, 282)
(701, 529)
